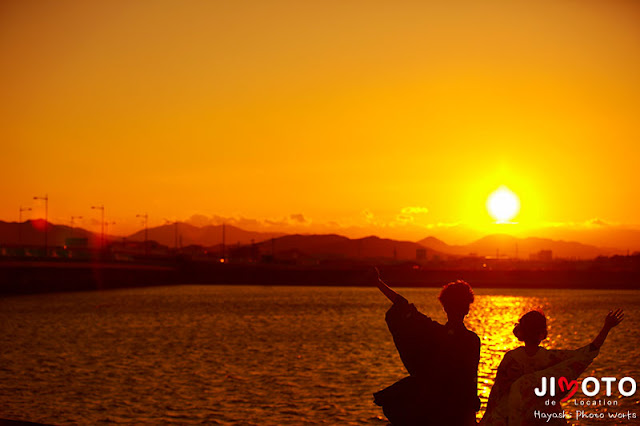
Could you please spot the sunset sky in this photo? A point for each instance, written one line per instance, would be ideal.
(356, 117)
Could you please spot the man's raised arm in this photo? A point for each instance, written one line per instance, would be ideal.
(385, 289)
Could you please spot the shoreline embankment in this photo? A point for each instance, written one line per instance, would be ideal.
(25, 277)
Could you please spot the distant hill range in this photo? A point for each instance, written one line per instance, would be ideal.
(501, 245)
(206, 236)
(337, 246)
(31, 232)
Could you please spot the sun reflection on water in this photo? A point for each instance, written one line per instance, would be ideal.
(493, 318)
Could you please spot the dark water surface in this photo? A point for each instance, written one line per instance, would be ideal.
(261, 355)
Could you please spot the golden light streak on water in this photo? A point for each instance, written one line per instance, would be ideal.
(496, 316)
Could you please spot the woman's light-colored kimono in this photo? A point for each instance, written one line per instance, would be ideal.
(513, 401)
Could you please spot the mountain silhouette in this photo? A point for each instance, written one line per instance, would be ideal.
(31, 233)
(622, 237)
(510, 246)
(207, 236)
(337, 246)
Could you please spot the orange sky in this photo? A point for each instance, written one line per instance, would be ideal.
(394, 118)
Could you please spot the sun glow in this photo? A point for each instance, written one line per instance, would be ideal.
(503, 204)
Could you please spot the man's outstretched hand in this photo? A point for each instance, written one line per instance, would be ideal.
(385, 289)
(378, 273)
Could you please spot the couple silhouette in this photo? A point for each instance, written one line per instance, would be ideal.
(442, 362)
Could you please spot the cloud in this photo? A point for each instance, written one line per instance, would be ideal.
(246, 222)
(368, 216)
(199, 220)
(276, 222)
(295, 219)
(444, 225)
(298, 218)
(408, 214)
(414, 210)
(587, 224)
(597, 222)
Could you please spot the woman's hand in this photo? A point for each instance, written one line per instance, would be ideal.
(613, 318)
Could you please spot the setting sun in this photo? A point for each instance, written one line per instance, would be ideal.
(503, 204)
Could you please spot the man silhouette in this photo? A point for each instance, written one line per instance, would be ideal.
(442, 362)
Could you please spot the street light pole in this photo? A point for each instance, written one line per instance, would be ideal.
(100, 207)
(46, 221)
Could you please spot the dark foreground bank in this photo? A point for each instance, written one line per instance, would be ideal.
(23, 277)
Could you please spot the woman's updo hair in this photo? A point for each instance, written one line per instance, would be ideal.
(456, 296)
(531, 327)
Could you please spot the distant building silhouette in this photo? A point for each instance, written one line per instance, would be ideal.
(76, 243)
(542, 256)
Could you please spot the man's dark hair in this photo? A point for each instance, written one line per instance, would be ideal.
(456, 296)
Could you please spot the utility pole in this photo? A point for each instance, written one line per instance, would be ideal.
(176, 236)
(100, 207)
(224, 254)
(22, 209)
(146, 232)
(46, 221)
(106, 226)
(73, 218)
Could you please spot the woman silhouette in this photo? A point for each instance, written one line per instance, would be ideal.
(512, 400)
(442, 361)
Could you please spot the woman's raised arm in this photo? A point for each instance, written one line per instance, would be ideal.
(611, 320)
